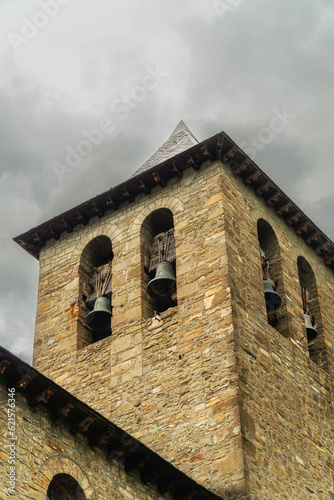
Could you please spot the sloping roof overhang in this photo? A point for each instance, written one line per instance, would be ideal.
(218, 147)
(118, 445)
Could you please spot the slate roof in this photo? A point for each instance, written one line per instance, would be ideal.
(179, 141)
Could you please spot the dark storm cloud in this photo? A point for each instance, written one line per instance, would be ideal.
(19, 275)
(264, 57)
(228, 72)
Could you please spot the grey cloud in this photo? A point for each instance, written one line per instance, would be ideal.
(224, 74)
(322, 214)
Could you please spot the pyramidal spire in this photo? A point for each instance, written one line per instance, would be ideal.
(182, 127)
(180, 140)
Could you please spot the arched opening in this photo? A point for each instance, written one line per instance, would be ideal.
(311, 310)
(64, 487)
(272, 277)
(158, 258)
(95, 294)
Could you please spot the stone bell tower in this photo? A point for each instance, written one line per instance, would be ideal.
(201, 367)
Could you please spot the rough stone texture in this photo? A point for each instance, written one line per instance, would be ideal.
(287, 412)
(172, 385)
(211, 386)
(45, 449)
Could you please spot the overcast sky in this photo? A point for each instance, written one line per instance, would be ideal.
(135, 68)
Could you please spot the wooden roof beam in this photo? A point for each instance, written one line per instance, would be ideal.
(238, 167)
(119, 451)
(54, 234)
(230, 154)
(253, 177)
(303, 227)
(142, 187)
(293, 219)
(193, 495)
(273, 199)
(219, 146)
(81, 218)
(262, 189)
(101, 438)
(111, 203)
(125, 193)
(285, 208)
(329, 259)
(312, 238)
(114, 451)
(322, 247)
(36, 238)
(63, 411)
(96, 209)
(29, 247)
(207, 155)
(165, 482)
(41, 397)
(132, 462)
(4, 364)
(158, 179)
(82, 425)
(192, 163)
(149, 472)
(176, 171)
(66, 224)
(24, 381)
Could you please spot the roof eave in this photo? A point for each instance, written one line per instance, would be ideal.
(218, 147)
(79, 418)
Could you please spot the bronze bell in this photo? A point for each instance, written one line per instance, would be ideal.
(311, 332)
(273, 299)
(163, 285)
(99, 317)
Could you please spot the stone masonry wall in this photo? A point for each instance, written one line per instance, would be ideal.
(170, 382)
(210, 386)
(287, 412)
(44, 449)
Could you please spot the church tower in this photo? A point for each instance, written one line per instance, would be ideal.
(224, 364)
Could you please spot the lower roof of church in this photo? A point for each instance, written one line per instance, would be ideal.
(79, 418)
